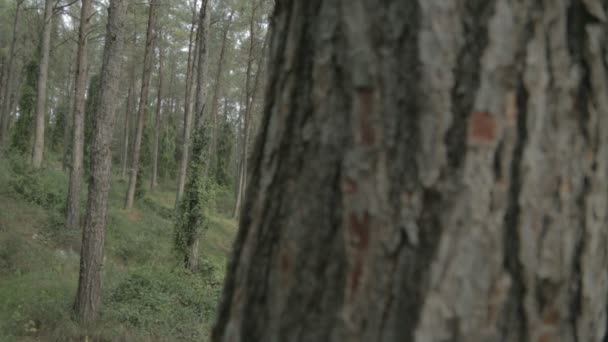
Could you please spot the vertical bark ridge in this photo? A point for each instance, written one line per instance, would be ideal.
(590, 271)
(475, 18)
(478, 180)
(515, 324)
(88, 299)
(276, 211)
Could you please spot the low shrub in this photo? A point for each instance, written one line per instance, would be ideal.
(46, 188)
(166, 303)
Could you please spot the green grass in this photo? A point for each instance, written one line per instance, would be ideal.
(146, 295)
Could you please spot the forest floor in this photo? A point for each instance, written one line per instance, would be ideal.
(146, 295)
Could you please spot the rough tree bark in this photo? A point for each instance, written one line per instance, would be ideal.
(5, 106)
(427, 171)
(143, 101)
(188, 108)
(40, 116)
(80, 81)
(88, 298)
(191, 209)
(157, 121)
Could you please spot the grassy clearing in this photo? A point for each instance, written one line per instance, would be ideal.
(146, 296)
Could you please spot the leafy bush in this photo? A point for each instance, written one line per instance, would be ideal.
(167, 303)
(41, 187)
(21, 138)
(9, 253)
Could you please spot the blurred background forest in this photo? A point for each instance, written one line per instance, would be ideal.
(147, 294)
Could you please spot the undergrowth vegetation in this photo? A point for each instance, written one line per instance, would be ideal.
(146, 295)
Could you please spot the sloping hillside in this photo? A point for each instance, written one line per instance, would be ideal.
(147, 297)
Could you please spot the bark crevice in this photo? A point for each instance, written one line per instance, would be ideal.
(578, 18)
(476, 18)
(515, 310)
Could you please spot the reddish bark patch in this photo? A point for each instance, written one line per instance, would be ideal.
(546, 337)
(551, 317)
(285, 261)
(359, 226)
(349, 187)
(482, 128)
(366, 108)
(355, 276)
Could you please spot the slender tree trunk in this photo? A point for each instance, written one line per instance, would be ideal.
(249, 102)
(80, 81)
(45, 46)
(172, 104)
(427, 171)
(248, 98)
(217, 91)
(183, 165)
(5, 105)
(12, 108)
(192, 207)
(240, 189)
(3, 66)
(143, 102)
(88, 300)
(128, 111)
(67, 127)
(159, 102)
(237, 159)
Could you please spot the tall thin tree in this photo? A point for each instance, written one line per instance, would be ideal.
(129, 108)
(218, 90)
(80, 82)
(192, 211)
(188, 107)
(43, 70)
(5, 104)
(143, 101)
(88, 299)
(157, 119)
(250, 96)
(67, 127)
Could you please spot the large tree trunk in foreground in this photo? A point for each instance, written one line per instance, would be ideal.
(143, 102)
(43, 71)
(427, 171)
(5, 104)
(75, 185)
(88, 299)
